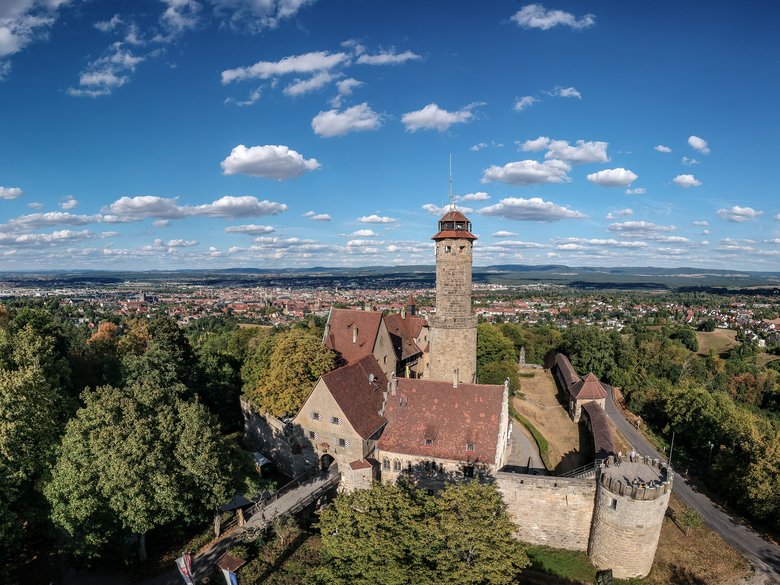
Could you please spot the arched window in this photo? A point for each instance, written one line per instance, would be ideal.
(396, 465)
(386, 464)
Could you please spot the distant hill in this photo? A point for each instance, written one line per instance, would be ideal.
(588, 277)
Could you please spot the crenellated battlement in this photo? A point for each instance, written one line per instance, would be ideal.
(645, 478)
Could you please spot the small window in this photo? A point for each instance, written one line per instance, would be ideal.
(613, 504)
(315, 416)
(468, 471)
(343, 443)
(447, 249)
(386, 464)
(396, 465)
(313, 435)
(384, 359)
(335, 420)
(462, 248)
(470, 447)
(428, 442)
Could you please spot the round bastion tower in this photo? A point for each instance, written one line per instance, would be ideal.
(631, 501)
(454, 326)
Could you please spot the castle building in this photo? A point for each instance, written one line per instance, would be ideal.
(406, 404)
(454, 326)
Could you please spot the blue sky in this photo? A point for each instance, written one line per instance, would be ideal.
(146, 134)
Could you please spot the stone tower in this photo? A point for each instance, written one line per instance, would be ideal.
(454, 326)
(631, 502)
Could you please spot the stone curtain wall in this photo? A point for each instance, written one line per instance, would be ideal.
(552, 511)
(278, 441)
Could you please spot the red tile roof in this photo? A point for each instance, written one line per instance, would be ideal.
(450, 417)
(566, 369)
(360, 464)
(359, 399)
(341, 324)
(454, 234)
(602, 433)
(589, 388)
(454, 215)
(403, 332)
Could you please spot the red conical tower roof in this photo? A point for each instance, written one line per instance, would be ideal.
(454, 225)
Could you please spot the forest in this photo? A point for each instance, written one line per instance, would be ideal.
(125, 435)
(723, 410)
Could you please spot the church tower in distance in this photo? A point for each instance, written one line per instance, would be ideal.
(454, 326)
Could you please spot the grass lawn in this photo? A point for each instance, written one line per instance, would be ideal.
(720, 340)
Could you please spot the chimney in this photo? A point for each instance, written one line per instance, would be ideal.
(403, 313)
(455, 378)
(354, 334)
(392, 384)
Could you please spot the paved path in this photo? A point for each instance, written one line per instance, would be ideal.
(523, 451)
(764, 555)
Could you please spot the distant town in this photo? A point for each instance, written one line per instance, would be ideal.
(755, 316)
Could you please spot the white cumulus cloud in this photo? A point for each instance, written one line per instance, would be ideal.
(619, 177)
(566, 92)
(304, 63)
(69, 202)
(524, 102)
(640, 227)
(374, 218)
(432, 117)
(10, 192)
(128, 209)
(533, 209)
(686, 181)
(618, 213)
(636, 191)
(537, 16)
(582, 152)
(358, 118)
(536, 144)
(389, 57)
(699, 144)
(528, 172)
(249, 229)
(270, 161)
(313, 83)
(662, 148)
(739, 214)
(478, 196)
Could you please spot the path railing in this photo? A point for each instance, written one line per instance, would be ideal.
(333, 478)
(584, 470)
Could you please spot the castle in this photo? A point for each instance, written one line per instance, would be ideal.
(407, 403)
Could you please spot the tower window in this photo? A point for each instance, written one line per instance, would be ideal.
(447, 249)
(613, 504)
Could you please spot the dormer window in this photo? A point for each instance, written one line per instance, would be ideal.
(470, 447)
(428, 442)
